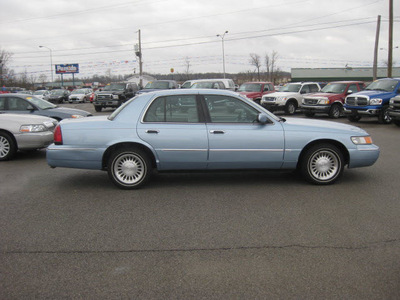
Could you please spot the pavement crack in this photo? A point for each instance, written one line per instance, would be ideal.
(289, 246)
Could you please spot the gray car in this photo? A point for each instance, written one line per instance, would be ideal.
(24, 132)
(29, 104)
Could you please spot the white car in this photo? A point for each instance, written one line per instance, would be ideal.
(289, 97)
(42, 94)
(24, 132)
(79, 95)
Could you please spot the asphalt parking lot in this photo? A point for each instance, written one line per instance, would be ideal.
(70, 234)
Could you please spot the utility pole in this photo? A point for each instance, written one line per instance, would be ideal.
(138, 52)
(390, 48)
(375, 68)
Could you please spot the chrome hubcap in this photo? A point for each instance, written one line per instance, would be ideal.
(324, 165)
(129, 168)
(4, 147)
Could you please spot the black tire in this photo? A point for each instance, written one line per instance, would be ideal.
(322, 164)
(384, 117)
(397, 122)
(336, 111)
(354, 118)
(290, 107)
(129, 168)
(97, 108)
(8, 147)
(309, 114)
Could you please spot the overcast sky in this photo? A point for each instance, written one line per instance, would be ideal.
(100, 35)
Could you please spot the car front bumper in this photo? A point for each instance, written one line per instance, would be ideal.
(34, 140)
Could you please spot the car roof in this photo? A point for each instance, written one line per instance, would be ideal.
(193, 92)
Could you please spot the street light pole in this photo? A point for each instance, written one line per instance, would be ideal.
(51, 61)
(222, 36)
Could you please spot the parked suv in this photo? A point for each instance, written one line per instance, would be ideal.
(114, 94)
(289, 97)
(330, 99)
(373, 101)
(255, 90)
(394, 109)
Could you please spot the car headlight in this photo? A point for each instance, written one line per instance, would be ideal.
(33, 128)
(323, 101)
(280, 99)
(375, 101)
(361, 140)
(391, 101)
(76, 116)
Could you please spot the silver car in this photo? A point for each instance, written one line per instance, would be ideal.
(23, 132)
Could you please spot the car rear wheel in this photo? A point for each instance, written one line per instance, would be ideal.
(97, 108)
(129, 168)
(322, 164)
(7, 146)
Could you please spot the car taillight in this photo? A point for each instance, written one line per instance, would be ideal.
(58, 135)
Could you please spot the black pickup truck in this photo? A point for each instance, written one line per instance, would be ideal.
(114, 94)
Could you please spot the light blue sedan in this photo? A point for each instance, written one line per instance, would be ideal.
(206, 130)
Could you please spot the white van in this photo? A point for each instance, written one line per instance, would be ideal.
(221, 83)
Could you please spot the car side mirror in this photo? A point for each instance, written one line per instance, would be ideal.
(262, 118)
(30, 107)
(349, 92)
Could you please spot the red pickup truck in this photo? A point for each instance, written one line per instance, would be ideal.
(255, 90)
(330, 99)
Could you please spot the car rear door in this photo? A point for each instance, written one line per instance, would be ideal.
(174, 126)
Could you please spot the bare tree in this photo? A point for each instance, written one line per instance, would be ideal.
(255, 60)
(187, 67)
(5, 58)
(271, 65)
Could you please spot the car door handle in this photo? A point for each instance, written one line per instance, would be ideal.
(217, 131)
(152, 131)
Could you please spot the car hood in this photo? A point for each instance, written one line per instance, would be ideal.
(78, 95)
(71, 111)
(250, 94)
(25, 119)
(311, 125)
(110, 92)
(373, 94)
(317, 95)
(282, 94)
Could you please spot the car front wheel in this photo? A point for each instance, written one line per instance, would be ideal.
(322, 164)
(7, 146)
(129, 168)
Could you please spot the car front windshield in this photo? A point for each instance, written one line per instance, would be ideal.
(157, 85)
(383, 85)
(42, 104)
(39, 92)
(57, 92)
(335, 88)
(75, 92)
(291, 87)
(250, 87)
(114, 87)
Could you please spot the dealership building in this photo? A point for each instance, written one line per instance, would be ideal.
(335, 74)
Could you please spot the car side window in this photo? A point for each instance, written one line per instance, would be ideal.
(225, 109)
(305, 89)
(353, 87)
(175, 109)
(314, 88)
(17, 104)
(2, 103)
